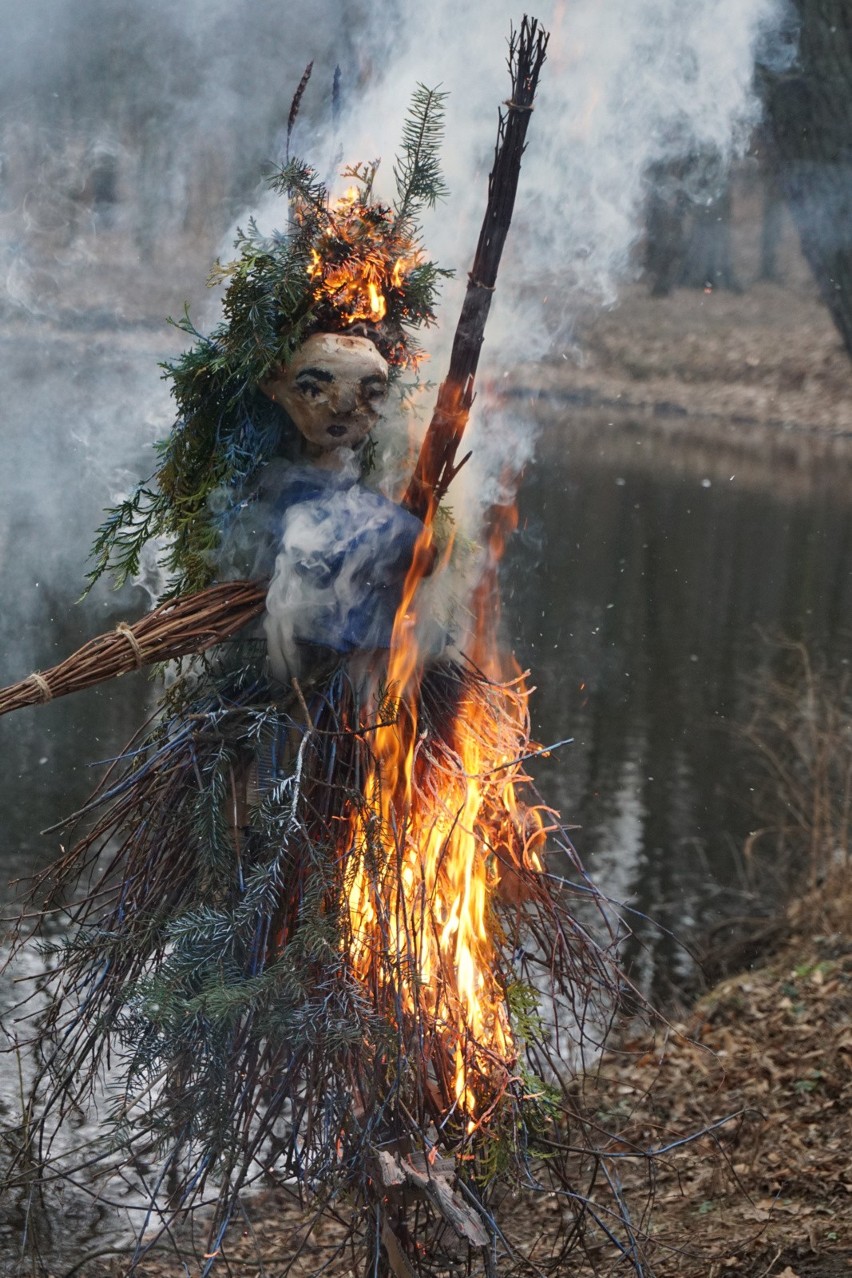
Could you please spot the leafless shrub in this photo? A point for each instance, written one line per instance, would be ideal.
(801, 735)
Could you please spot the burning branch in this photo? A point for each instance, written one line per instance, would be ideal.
(436, 466)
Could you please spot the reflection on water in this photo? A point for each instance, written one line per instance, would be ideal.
(642, 600)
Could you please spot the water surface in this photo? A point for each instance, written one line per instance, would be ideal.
(640, 591)
(644, 597)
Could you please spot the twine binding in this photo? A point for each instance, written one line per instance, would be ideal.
(43, 686)
(126, 633)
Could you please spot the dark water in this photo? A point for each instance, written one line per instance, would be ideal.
(77, 418)
(644, 601)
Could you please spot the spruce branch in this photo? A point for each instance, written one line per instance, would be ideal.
(417, 171)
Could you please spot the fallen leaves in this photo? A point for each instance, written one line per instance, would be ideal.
(766, 1195)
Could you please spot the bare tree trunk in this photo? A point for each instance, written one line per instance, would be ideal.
(666, 215)
(708, 260)
(809, 110)
(688, 236)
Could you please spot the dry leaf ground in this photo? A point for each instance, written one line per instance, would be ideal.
(772, 1190)
(765, 1194)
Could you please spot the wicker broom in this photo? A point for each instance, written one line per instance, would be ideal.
(178, 627)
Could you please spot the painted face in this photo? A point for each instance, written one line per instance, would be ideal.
(333, 388)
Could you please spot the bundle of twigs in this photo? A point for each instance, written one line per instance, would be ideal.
(180, 626)
(209, 945)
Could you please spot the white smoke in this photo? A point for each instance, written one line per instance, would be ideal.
(341, 565)
(202, 93)
(628, 86)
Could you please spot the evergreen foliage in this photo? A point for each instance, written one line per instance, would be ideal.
(417, 172)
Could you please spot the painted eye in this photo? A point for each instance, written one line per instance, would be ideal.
(375, 393)
(311, 391)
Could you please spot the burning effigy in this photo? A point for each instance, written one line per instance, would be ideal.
(320, 939)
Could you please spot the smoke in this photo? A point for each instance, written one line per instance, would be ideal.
(343, 555)
(155, 120)
(132, 136)
(629, 90)
(628, 87)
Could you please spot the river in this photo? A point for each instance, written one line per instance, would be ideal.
(648, 595)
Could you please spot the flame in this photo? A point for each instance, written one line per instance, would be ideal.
(378, 305)
(438, 839)
(358, 262)
(402, 266)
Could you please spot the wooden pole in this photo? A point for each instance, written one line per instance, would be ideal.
(436, 466)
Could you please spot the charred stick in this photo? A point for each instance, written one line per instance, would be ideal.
(436, 466)
(297, 102)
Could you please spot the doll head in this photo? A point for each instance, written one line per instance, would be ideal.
(334, 389)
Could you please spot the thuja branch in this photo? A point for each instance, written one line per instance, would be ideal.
(436, 466)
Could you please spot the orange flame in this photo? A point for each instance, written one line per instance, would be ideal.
(378, 305)
(358, 285)
(439, 834)
(402, 266)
